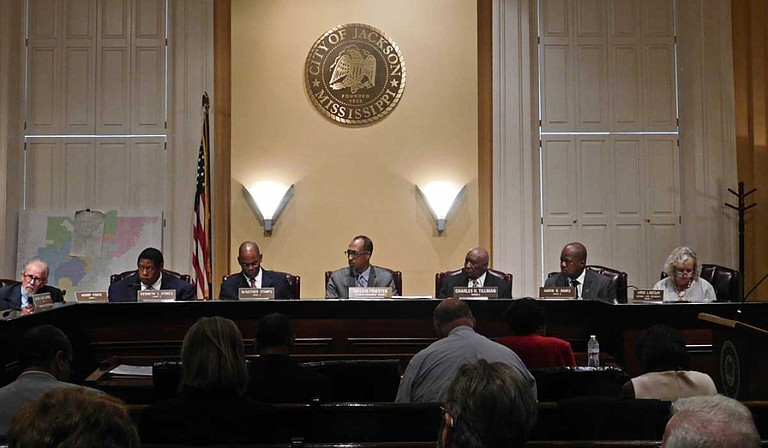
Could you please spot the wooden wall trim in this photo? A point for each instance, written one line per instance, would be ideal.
(485, 122)
(222, 124)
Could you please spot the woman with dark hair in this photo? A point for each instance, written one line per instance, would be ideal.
(210, 407)
(665, 361)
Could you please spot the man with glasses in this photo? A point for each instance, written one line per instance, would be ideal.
(254, 276)
(149, 275)
(475, 275)
(360, 273)
(34, 279)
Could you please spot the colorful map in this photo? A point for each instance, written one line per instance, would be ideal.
(48, 235)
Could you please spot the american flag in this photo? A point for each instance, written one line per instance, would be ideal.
(201, 243)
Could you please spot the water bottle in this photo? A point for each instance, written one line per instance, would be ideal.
(593, 352)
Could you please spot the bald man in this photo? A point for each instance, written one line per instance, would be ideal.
(475, 274)
(430, 372)
(254, 276)
(589, 285)
(34, 280)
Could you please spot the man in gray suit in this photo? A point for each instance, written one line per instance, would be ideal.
(589, 285)
(360, 273)
(45, 356)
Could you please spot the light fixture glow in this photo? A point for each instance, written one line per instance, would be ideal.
(440, 197)
(269, 199)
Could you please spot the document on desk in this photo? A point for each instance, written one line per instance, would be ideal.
(129, 370)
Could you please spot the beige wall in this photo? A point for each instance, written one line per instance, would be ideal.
(355, 180)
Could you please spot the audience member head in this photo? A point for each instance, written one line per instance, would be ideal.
(682, 266)
(275, 334)
(249, 258)
(359, 253)
(711, 421)
(34, 276)
(476, 263)
(73, 417)
(48, 349)
(525, 316)
(487, 406)
(451, 313)
(213, 357)
(573, 259)
(662, 349)
(149, 265)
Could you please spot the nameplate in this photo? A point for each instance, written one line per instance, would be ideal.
(357, 292)
(482, 292)
(648, 296)
(156, 295)
(42, 301)
(255, 293)
(557, 292)
(91, 296)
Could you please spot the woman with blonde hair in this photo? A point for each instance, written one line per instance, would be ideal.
(210, 407)
(683, 283)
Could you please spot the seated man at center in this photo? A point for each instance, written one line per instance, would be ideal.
(360, 273)
(149, 275)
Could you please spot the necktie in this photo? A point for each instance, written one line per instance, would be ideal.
(149, 288)
(361, 281)
(475, 283)
(252, 281)
(575, 284)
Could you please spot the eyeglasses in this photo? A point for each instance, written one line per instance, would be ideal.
(354, 254)
(684, 273)
(32, 279)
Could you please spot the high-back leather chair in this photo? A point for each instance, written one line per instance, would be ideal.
(725, 281)
(294, 282)
(397, 276)
(114, 278)
(7, 282)
(440, 277)
(618, 278)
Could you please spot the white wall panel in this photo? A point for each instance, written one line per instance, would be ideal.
(44, 19)
(556, 101)
(597, 239)
(589, 18)
(658, 18)
(623, 19)
(148, 87)
(113, 79)
(79, 91)
(625, 87)
(43, 174)
(555, 18)
(659, 88)
(78, 174)
(44, 94)
(591, 88)
(592, 181)
(147, 174)
(112, 173)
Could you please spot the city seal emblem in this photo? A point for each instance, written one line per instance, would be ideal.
(355, 74)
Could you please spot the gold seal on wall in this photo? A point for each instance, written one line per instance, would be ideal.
(355, 74)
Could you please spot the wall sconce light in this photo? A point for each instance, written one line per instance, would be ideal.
(441, 197)
(268, 199)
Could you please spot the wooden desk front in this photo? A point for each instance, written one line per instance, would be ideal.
(101, 330)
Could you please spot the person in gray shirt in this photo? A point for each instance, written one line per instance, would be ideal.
(430, 372)
(45, 356)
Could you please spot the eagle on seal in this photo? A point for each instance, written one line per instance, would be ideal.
(351, 68)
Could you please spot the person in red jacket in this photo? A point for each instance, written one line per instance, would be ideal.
(527, 321)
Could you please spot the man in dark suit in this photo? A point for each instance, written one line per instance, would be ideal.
(254, 276)
(275, 377)
(360, 273)
(149, 275)
(34, 280)
(589, 285)
(475, 274)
